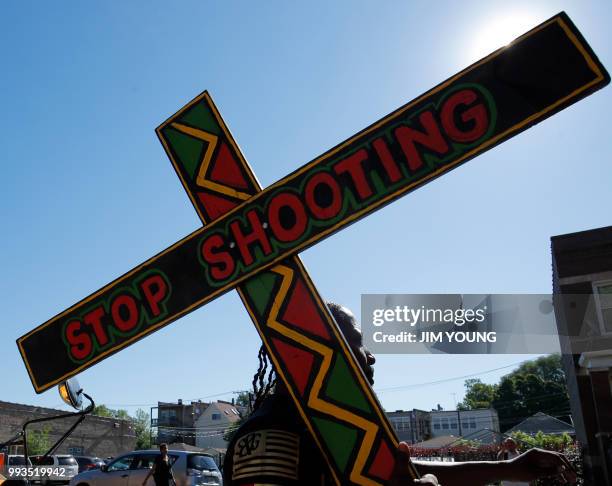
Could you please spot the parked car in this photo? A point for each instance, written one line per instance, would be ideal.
(130, 469)
(63, 467)
(16, 460)
(13, 460)
(89, 462)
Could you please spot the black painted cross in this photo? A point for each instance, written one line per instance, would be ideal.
(251, 237)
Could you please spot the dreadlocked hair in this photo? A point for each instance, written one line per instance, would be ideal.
(262, 386)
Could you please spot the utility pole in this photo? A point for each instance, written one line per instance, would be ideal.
(458, 414)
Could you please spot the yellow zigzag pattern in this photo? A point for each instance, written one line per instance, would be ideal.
(313, 400)
(288, 274)
(201, 177)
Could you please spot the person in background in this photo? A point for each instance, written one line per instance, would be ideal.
(162, 469)
(509, 450)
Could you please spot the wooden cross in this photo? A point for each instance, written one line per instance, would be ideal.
(251, 237)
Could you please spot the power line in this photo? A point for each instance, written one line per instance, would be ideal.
(445, 380)
(377, 390)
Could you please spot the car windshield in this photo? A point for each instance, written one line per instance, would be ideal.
(67, 461)
(201, 462)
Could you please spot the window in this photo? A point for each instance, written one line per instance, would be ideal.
(17, 460)
(436, 425)
(201, 463)
(453, 424)
(472, 422)
(144, 461)
(121, 464)
(445, 423)
(401, 423)
(42, 460)
(603, 302)
(216, 416)
(66, 461)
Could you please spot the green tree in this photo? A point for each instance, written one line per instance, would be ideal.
(140, 422)
(543, 441)
(121, 414)
(535, 386)
(142, 429)
(39, 441)
(243, 399)
(549, 368)
(104, 411)
(477, 395)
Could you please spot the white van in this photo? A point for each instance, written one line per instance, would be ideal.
(58, 468)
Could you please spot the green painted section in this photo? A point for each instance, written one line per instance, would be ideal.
(340, 439)
(260, 290)
(187, 148)
(201, 117)
(343, 388)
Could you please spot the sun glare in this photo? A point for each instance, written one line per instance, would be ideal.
(499, 30)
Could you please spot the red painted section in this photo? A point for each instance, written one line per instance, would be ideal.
(302, 312)
(225, 169)
(382, 467)
(215, 206)
(297, 361)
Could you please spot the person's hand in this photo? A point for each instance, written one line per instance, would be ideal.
(428, 479)
(401, 471)
(538, 463)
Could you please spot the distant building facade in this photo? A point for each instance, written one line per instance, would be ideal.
(175, 422)
(95, 436)
(481, 424)
(411, 426)
(416, 426)
(214, 422)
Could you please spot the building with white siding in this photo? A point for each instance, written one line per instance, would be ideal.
(481, 424)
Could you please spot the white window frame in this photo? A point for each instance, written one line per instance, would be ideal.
(600, 318)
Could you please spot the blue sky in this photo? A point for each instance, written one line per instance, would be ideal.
(89, 192)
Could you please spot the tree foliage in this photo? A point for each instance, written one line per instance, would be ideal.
(142, 429)
(104, 411)
(39, 441)
(243, 399)
(140, 422)
(478, 395)
(535, 386)
(543, 441)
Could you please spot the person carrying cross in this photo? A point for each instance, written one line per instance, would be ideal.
(274, 447)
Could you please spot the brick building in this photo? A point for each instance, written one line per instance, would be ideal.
(175, 422)
(96, 436)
